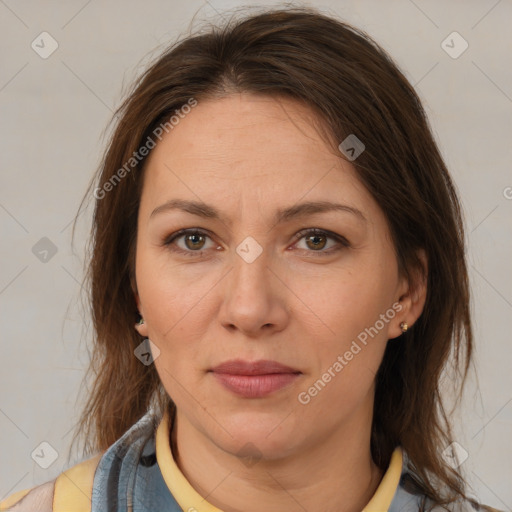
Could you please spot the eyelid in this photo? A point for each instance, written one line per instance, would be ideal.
(168, 241)
(325, 232)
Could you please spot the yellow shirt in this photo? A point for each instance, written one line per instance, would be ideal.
(73, 488)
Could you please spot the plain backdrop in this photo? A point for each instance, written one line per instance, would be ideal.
(54, 111)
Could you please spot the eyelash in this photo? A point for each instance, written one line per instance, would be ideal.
(168, 242)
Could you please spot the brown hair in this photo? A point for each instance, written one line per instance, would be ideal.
(355, 88)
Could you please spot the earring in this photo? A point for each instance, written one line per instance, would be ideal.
(404, 326)
(141, 321)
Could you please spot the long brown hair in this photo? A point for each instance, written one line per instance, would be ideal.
(355, 88)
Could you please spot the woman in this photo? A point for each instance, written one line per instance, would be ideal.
(278, 279)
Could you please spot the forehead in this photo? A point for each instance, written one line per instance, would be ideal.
(250, 150)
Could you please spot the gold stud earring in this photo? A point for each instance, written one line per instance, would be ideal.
(404, 326)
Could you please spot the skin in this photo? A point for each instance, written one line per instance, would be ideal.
(248, 156)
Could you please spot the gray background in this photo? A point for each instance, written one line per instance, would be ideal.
(54, 112)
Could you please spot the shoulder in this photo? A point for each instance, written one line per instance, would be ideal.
(36, 499)
(71, 490)
(409, 497)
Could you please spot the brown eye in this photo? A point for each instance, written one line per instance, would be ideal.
(317, 239)
(190, 242)
(194, 241)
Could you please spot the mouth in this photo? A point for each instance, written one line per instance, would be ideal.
(254, 379)
(261, 367)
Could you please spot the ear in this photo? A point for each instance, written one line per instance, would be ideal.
(142, 329)
(412, 296)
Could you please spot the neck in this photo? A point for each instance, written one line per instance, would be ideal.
(336, 475)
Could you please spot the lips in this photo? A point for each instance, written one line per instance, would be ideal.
(261, 367)
(254, 379)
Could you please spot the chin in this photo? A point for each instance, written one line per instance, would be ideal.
(255, 437)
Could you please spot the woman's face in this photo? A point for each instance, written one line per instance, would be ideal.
(254, 285)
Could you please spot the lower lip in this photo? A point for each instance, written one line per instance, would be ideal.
(255, 386)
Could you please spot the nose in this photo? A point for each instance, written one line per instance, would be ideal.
(254, 297)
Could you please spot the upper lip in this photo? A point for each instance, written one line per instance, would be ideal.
(261, 367)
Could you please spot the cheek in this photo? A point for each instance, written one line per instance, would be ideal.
(173, 309)
(172, 295)
(349, 352)
(343, 304)
(352, 313)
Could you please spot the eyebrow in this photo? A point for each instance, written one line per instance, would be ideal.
(282, 215)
